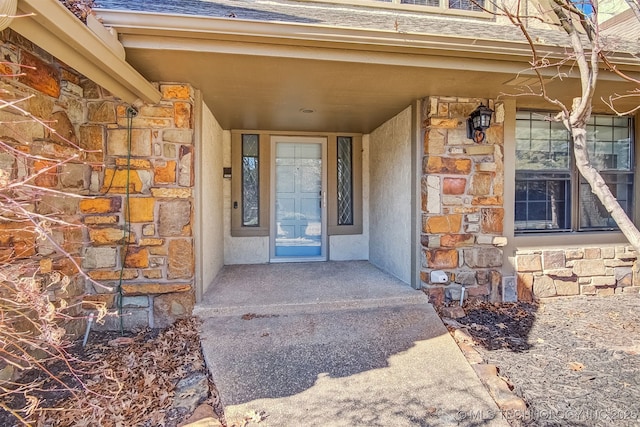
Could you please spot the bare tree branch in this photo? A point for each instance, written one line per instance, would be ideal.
(587, 54)
(537, 62)
(610, 102)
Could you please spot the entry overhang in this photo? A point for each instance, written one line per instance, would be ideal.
(260, 75)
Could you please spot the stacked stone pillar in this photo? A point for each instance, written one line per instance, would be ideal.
(129, 204)
(462, 200)
(141, 240)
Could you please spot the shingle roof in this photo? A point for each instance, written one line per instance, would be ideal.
(342, 15)
(623, 25)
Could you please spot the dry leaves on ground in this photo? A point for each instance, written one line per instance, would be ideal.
(134, 384)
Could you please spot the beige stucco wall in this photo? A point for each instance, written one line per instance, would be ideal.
(255, 250)
(239, 250)
(355, 247)
(211, 202)
(390, 196)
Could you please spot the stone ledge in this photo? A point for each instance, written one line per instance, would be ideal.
(453, 312)
(155, 288)
(171, 193)
(109, 236)
(100, 205)
(499, 389)
(133, 163)
(488, 374)
(127, 274)
(560, 272)
(473, 356)
(101, 220)
(202, 418)
(504, 397)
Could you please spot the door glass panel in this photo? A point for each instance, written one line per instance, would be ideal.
(298, 200)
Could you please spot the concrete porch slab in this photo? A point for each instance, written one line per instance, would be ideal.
(335, 344)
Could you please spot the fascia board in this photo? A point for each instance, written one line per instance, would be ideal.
(54, 28)
(188, 29)
(196, 27)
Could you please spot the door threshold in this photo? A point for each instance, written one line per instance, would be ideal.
(306, 259)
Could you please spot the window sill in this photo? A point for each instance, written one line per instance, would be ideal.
(249, 232)
(566, 239)
(345, 230)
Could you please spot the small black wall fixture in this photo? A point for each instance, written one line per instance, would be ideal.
(478, 122)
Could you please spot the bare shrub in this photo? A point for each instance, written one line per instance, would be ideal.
(41, 282)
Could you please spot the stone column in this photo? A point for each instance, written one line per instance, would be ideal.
(462, 200)
(155, 160)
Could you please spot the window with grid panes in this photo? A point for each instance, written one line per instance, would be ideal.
(550, 194)
(474, 5)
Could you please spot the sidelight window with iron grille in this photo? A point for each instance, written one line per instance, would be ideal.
(251, 183)
(345, 180)
(250, 180)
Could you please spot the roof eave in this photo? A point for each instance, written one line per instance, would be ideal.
(147, 25)
(51, 26)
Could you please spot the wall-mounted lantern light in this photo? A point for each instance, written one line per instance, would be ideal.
(478, 122)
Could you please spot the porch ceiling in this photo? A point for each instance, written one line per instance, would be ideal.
(257, 92)
(353, 81)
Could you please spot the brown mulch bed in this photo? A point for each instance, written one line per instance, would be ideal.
(575, 361)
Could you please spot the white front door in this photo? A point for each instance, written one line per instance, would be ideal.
(298, 225)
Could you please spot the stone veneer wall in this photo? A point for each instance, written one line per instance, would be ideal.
(462, 200)
(50, 92)
(576, 271)
(157, 263)
(157, 260)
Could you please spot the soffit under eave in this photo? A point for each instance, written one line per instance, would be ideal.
(49, 25)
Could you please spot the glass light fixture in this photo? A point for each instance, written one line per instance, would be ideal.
(478, 122)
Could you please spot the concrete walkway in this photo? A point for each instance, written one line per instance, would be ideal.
(335, 344)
